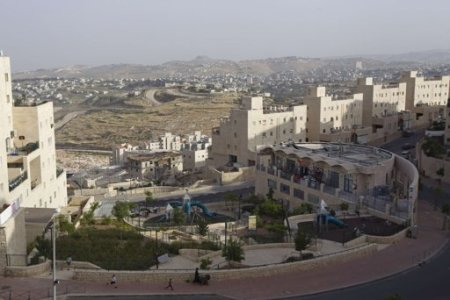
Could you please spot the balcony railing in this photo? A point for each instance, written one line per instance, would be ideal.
(17, 181)
(25, 150)
(285, 175)
(329, 189)
(270, 170)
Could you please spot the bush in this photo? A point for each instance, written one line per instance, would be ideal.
(205, 263)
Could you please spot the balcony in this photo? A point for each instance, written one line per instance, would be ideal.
(17, 181)
(271, 170)
(25, 150)
(285, 175)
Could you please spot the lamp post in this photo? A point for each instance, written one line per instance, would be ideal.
(53, 236)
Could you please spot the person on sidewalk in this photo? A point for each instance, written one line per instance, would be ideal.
(69, 262)
(169, 284)
(196, 276)
(114, 281)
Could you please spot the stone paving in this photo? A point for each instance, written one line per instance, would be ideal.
(393, 259)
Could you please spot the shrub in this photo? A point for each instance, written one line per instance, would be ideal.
(233, 251)
(205, 263)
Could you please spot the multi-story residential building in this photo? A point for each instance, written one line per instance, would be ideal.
(155, 165)
(28, 173)
(364, 176)
(425, 91)
(380, 100)
(381, 106)
(250, 125)
(170, 142)
(332, 119)
(28, 157)
(447, 123)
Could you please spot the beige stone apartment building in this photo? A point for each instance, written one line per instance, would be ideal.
(425, 91)
(252, 124)
(366, 177)
(330, 119)
(154, 165)
(28, 173)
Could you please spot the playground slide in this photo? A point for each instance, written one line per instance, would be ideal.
(203, 207)
(335, 221)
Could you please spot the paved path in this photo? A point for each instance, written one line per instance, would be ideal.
(396, 258)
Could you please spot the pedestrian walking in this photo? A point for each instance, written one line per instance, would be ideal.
(196, 276)
(69, 262)
(169, 284)
(114, 281)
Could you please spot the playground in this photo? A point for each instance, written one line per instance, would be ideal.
(192, 211)
(353, 226)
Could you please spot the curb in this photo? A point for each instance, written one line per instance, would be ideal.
(405, 270)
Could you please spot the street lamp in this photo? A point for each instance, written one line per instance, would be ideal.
(52, 227)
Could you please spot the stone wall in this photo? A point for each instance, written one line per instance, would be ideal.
(428, 166)
(392, 239)
(182, 275)
(28, 271)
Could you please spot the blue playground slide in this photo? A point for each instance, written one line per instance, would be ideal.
(335, 221)
(203, 207)
(194, 203)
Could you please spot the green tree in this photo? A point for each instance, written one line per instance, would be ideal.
(302, 240)
(202, 227)
(64, 225)
(121, 210)
(233, 251)
(149, 200)
(178, 216)
(43, 246)
(269, 195)
(231, 199)
(432, 147)
(205, 263)
(344, 207)
(87, 218)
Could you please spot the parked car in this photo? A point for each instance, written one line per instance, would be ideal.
(406, 153)
(408, 146)
(407, 133)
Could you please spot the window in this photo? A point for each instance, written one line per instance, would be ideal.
(285, 189)
(7, 79)
(8, 98)
(235, 135)
(264, 135)
(299, 194)
(272, 184)
(348, 183)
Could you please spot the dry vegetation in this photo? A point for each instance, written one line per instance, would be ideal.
(102, 127)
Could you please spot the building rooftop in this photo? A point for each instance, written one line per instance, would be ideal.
(336, 153)
(155, 155)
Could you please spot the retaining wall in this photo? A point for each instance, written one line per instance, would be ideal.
(182, 275)
(28, 271)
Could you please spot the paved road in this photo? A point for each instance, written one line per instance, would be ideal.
(428, 281)
(152, 297)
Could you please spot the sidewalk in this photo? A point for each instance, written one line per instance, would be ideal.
(396, 258)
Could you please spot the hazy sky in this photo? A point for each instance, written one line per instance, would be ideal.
(52, 33)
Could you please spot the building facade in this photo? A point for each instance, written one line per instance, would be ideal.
(250, 125)
(363, 176)
(330, 119)
(154, 166)
(29, 176)
(425, 91)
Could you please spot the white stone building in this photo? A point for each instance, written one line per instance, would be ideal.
(250, 125)
(334, 119)
(425, 91)
(366, 177)
(28, 173)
